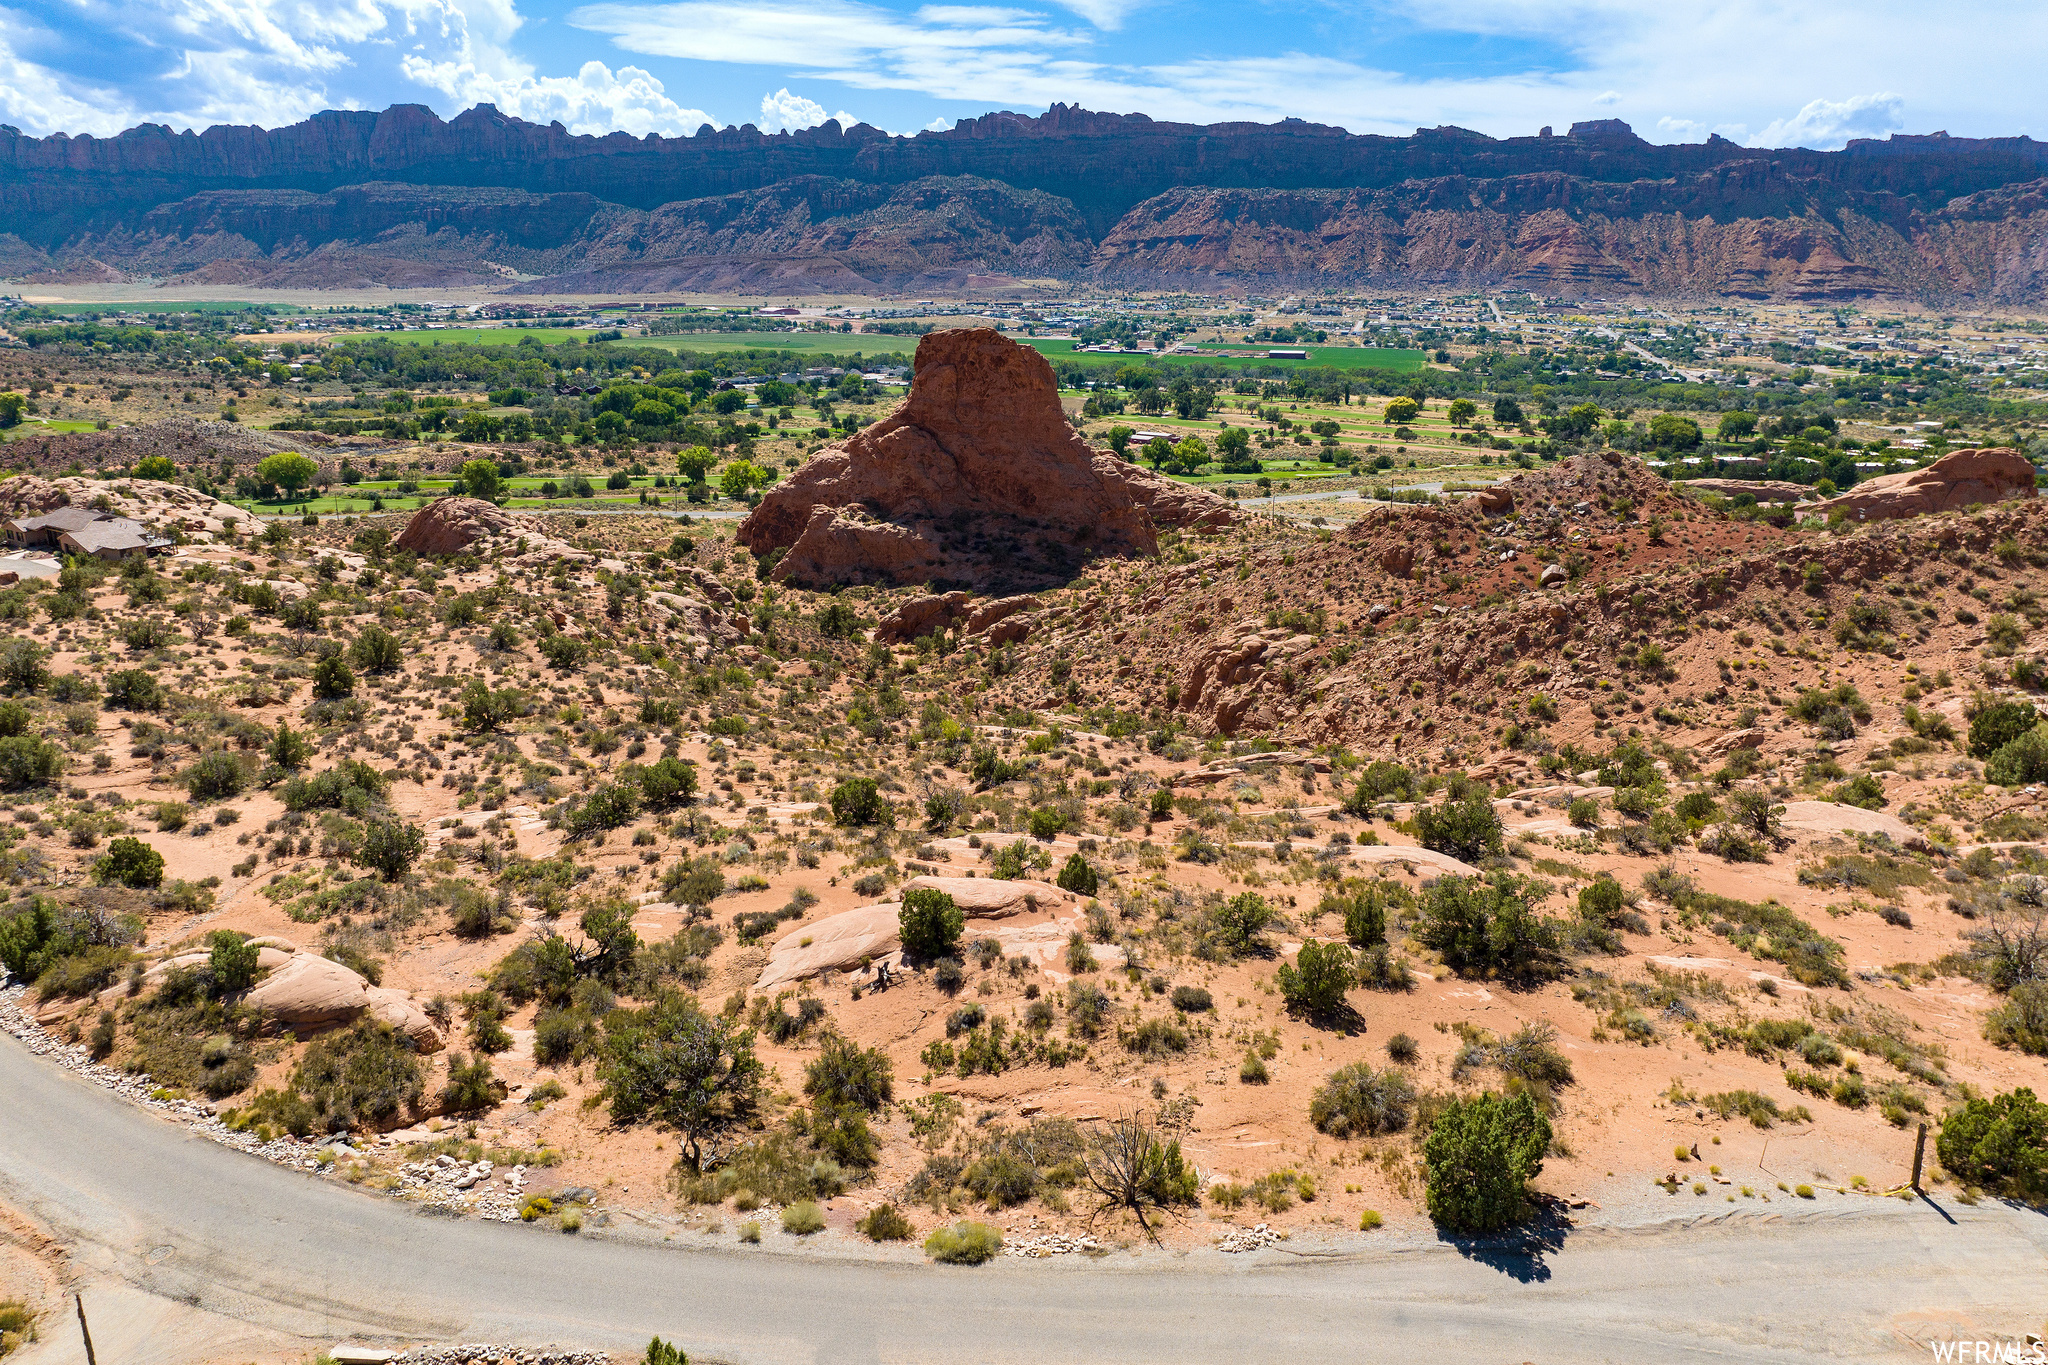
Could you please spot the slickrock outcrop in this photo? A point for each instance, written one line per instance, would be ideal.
(449, 526)
(1763, 490)
(977, 479)
(165, 507)
(1961, 478)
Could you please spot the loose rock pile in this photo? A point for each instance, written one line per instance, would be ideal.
(482, 1354)
(1052, 1244)
(1250, 1239)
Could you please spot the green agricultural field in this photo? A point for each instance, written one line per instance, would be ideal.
(471, 336)
(832, 343)
(1319, 357)
(152, 306)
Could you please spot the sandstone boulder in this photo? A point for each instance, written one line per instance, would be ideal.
(449, 526)
(1763, 490)
(856, 939)
(987, 614)
(310, 993)
(978, 478)
(988, 898)
(920, 616)
(1958, 479)
(837, 943)
(1829, 817)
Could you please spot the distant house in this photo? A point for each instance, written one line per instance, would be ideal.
(114, 538)
(1287, 355)
(43, 528)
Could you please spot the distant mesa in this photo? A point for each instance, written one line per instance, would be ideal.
(1006, 203)
(977, 480)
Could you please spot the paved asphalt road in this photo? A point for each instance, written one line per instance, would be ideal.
(144, 1202)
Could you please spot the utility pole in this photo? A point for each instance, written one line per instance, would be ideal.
(1919, 1152)
(84, 1331)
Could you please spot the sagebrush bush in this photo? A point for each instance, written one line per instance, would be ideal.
(885, 1224)
(965, 1243)
(1358, 1101)
(803, 1219)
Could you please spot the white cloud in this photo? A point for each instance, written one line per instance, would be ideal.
(786, 112)
(1830, 123)
(1104, 14)
(831, 35)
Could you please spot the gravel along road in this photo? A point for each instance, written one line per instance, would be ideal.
(147, 1207)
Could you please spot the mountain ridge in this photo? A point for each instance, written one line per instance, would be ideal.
(1070, 195)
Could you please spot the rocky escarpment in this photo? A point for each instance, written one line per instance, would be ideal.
(1959, 479)
(401, 197)
(977, 479)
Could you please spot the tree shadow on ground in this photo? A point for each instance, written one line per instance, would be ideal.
(1522, 1252)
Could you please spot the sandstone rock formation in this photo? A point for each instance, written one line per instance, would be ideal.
(166, 507)
(857, 940)
(924, 615)
(1961, 478)
(308, 993)
(303, 991)
(978, 478)
(448, 526)
(1763, 490)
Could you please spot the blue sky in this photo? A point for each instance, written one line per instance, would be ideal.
(1756, 71)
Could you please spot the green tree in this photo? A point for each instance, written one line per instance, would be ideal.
(485, 709)
(563, 652)
(1999, 724)
(289, 749)
(232, 961)
(1669, 431)
(1399, 411)
(1119, 439)
(1736, 426)
(695, 463)
(129, 862)
(288, 470)
(929, 924)
(2000, 1144)
(608, 807)
(1480, 1155)
(1462, 410)
(332, 679)
(28, 761)
(159, 467)
(1315, 985)
(1485, 925)
(1240, 920)
(480, 479)
(740, 478)
(1362, 905)
(1078, 876)
(376, 650)
(11, 408)
(390, 847)
(23, 665)
(681, 1068)
(858, 801)
(1468, 829)
(666, 783)
(215, 776)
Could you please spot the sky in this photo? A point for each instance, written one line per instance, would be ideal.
(1759, 72)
